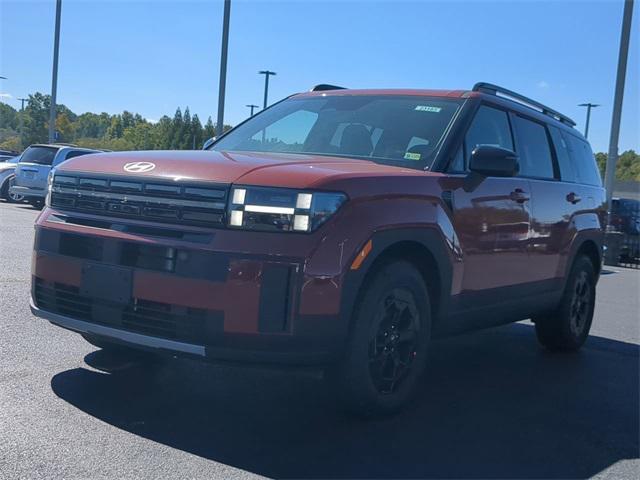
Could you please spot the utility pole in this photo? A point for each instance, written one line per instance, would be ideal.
(223, 67)
(589, 107)
(266, 74)
(22, 100)
(252, 107)
(612, 157)
(54, 75)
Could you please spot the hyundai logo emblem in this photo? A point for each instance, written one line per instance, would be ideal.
(139, 167)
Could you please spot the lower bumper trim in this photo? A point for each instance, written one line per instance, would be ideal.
(124, 336)
(28, 192)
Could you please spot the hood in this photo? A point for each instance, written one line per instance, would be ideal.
(277, 169)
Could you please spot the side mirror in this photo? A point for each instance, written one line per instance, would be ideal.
(492, 161)
(208, 143)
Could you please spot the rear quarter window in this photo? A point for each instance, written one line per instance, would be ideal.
(76, 153)
(584, 163)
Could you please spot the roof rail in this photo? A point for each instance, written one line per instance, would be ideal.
(495, 90)
(324, 86)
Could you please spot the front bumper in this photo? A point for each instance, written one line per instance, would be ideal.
(188, 299)
(28, 192)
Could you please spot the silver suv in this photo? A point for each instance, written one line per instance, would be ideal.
(35, 164)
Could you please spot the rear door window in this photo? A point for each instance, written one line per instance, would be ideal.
(39, 155)
(583, 160)
(534, 151)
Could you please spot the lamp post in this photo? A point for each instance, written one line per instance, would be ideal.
(54, 74)
(252, 107)
(589, 107)
(267, 74)
(612, 157)
(223, 67)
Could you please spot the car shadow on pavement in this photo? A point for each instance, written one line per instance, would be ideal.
(493, 405)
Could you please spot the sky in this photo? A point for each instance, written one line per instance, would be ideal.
(150, 57)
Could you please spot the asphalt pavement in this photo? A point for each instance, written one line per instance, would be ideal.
(493, 405)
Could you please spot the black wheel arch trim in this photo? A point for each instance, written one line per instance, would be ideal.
(429, 238)
(581, 239)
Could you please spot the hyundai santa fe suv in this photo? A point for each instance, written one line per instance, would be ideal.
(338, 228)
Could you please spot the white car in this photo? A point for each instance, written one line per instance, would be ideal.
(7, 178)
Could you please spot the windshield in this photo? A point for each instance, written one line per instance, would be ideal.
(393, 130)
(41, 155)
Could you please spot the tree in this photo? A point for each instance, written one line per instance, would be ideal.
(196, 132)
(35, 128)
(627, 167)
(116, 129)
(123, 131)
(176, 130)
(209, 129)
(8, 117)
(64, 128)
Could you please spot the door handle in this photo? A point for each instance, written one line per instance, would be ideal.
(573, 198)
(519, 195)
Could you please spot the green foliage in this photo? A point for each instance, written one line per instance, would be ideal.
(627, 167)
(125, 131)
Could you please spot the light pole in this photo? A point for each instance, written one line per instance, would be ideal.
(267, 74)
(612, 157)
(22, 100)
(589, 107)
(252, 107)
(223, 67)
(54, 74)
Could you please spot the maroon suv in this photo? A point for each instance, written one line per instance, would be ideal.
(337, 228)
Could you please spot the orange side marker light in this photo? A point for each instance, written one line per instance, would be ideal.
(357, 262)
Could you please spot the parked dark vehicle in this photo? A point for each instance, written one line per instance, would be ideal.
(625, 221)
(341, 229)
(34, 166)
(625, 216)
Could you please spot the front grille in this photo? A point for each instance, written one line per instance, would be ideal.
(158, 201)
(173, 322)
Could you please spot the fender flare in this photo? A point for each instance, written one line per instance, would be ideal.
(583, 236)
(429, 238)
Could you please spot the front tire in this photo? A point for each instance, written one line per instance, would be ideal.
(566, 329)
(387, 348)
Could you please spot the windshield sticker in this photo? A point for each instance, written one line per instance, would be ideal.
(428, 108)
(412, 156)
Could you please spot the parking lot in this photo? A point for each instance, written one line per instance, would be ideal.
(494, 404)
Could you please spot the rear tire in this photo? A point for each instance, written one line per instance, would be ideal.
(387, 348)
(11, 197)
(567, 328)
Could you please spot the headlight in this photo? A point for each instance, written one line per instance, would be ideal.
(47, 198)
(281, 209)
